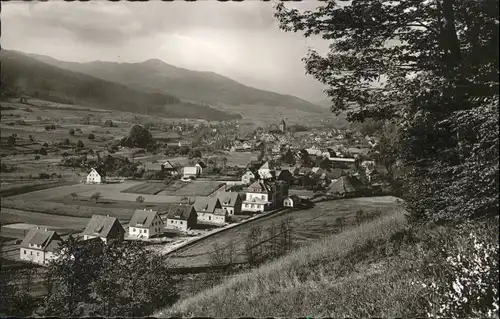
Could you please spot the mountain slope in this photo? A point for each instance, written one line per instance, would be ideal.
(206, 87)
(25, 74)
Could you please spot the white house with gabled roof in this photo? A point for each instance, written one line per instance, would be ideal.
(96, 176)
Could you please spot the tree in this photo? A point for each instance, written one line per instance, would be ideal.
(31, 138)
(133, 282)
(288, 157)
(431, 67)
(71, 132)
(140, 199)
(109, 123)
(340, 222)
(11, 141)
(80, 144)
(42, 151)
(91, 137)
(360, 217)
(138, 137)
(37, 157)
(71, 273)
(74, 195)
(252, 246)
(96, 196)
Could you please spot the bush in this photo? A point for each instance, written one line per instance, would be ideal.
(71, 132)
(91, 137)
(37, 157)
(43, 151)
(43, 176)
(80, 144)
(461, 277)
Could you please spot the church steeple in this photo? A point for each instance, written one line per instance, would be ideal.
(283, 125)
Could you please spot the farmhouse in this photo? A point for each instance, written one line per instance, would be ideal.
(230, 201)
(145, 224)
(205, 208)
(96, 176)
(39, 246)
(291, 201)
(105, 227)
(346, 186)
(182, 217)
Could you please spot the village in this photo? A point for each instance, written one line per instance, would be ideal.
(290, 172)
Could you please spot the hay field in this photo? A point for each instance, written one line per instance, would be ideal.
(307, 225)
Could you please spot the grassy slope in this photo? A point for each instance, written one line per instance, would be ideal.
(31, 75)
(348, 274)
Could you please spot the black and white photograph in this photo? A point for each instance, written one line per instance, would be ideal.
(252, 158)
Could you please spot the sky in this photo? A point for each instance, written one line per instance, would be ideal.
(240, 40)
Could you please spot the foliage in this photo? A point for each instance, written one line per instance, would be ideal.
(133, 281)
(140, 199)
(109, 123)
(430, 66)
(71, 132)
(42, 151)
(69, 277)
(96, 196)
(116, 279)
(91, 137)
(80, 144)
(11, 141)
(138, 136)
(459, 271)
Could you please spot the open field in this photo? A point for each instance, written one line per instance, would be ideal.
(240, 158)
(193, 188)
(334, 277)
(149, 188)
(307, 225)
(106, 203)
(11, 216)
(12, 189)
(54, 208)
(20, 230)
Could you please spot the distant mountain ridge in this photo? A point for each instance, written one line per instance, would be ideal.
(220, 92)
(22, 73)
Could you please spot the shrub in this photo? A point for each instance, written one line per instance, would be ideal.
(43, 151)
(91, 136)
(461, 279)
(71, 132)
(37, 157)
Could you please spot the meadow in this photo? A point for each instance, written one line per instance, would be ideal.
(316, 280)
(307, 225)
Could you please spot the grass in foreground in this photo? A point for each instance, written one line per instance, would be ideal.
(315, 280)
(382, 268)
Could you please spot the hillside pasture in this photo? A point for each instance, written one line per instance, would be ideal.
(307, 225)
